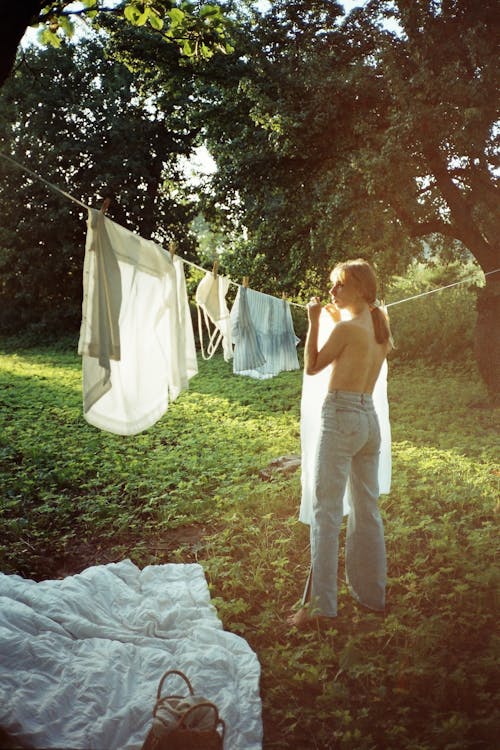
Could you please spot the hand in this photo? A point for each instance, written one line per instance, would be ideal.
(334, 311)
(314, 309)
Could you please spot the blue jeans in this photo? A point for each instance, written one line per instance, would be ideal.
(347, 457)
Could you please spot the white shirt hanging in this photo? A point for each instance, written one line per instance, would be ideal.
(136, 337)
(263, 335)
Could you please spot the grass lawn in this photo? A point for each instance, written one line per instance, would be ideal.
(190, 489)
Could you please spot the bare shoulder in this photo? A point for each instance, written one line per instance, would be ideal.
(353, 330)
(348, 326)
(342, 331)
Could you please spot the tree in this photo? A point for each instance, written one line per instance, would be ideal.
(197, 31)
(370, 133)
(269, 117)
(83, 121)
(16, 17)
(435, 163)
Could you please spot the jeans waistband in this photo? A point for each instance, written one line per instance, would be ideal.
(351, 398)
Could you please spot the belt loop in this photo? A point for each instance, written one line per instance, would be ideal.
(362, 398)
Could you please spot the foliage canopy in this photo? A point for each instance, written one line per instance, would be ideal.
(196, 29)
(370, 133)
(95, 133)
(359, 134)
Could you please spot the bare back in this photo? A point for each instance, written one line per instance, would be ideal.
(357, 365)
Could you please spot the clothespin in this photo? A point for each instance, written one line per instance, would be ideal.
(245, 282)
(215, 268)
(105, 205)
(172, 247)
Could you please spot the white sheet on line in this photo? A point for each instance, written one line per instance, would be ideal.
(136, 336)
(81, 657)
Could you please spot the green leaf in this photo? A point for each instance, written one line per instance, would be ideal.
(206, 51)
(155, 21)
(67, 26)
(143, 17)
(188, 48)
(131, 13)
(210, 10)
(49, 38)
(177, 17)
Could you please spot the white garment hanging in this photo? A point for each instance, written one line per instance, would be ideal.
(187, 364)
(263, 335)
(210, 299)
(314, 390)
(136, 337)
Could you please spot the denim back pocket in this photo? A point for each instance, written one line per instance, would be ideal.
(347, 421)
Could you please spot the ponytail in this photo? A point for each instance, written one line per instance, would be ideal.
(381, 326)
(363, 275)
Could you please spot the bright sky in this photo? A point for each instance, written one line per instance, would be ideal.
(348, 4)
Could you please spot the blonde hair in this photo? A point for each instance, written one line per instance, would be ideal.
(362, 274)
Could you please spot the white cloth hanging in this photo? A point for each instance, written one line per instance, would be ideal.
(263, 335)
(314, 390)
(187, 364)
(210, 299)
(136, 336)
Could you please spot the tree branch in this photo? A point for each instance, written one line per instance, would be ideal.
(479, 179)
(422, 228)
(42, 17)
(467, 231)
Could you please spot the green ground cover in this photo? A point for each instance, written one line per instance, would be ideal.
(420, 678)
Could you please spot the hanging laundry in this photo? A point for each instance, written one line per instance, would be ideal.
(136, 336)
(263, 335)
(187, 364)
(314, 390)
(210, 299)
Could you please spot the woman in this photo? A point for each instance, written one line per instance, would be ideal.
(349, 444)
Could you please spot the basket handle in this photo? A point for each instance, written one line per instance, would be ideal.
(173, 671)
(206, 704)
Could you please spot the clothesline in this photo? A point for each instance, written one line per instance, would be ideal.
(439, 289)
(87, 208)
(204, 270)
(46, 182)
(234, 283)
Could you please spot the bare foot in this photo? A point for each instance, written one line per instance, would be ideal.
(305, 617)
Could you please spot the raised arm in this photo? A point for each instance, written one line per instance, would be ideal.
(316, 359)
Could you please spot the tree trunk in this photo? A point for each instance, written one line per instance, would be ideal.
(464, 227)
(487, 333)
(487, 336)
(16, 17)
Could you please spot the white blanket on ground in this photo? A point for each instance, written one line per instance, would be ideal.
(81, 657)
